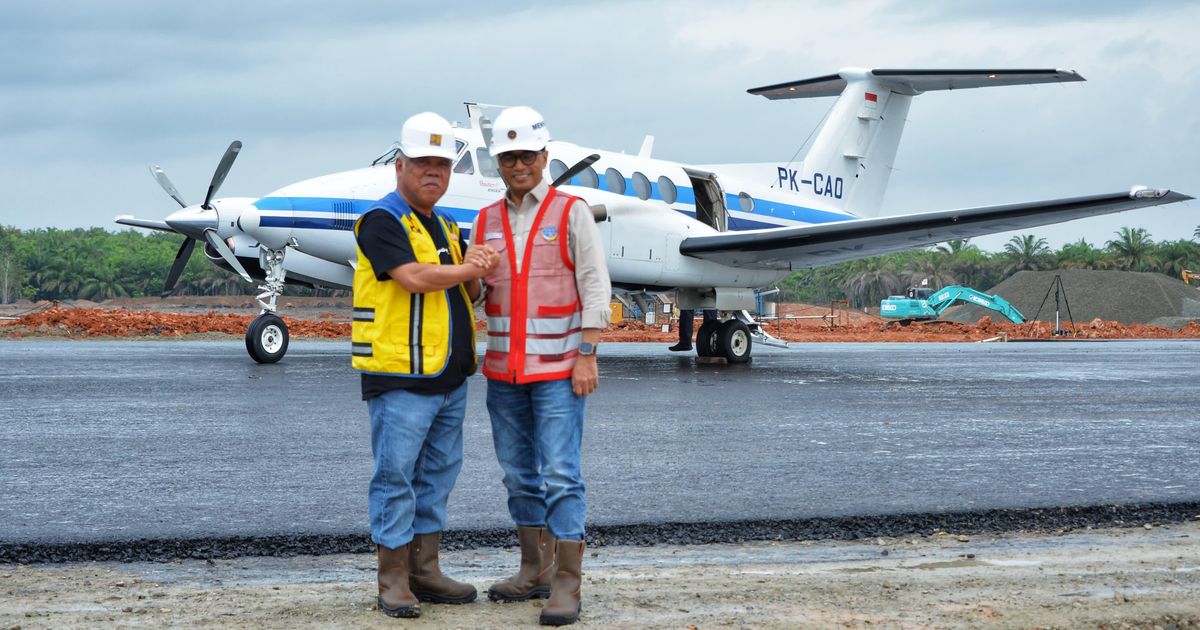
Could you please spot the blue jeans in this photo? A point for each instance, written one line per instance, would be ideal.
(417, 440)
(538, 431)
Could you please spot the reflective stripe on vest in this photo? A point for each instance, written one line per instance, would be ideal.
(534, 318)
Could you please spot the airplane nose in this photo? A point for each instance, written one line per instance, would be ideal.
(193, 221)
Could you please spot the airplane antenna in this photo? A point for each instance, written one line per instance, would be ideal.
(647, 147)
(792, 159)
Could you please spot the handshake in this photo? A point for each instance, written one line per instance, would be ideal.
(485, 257)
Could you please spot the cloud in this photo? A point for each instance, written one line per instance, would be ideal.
(94, 92)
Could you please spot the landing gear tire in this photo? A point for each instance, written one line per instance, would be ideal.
(267, 338)
(706, 338)
(734, 341)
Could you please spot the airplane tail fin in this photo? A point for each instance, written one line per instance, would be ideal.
(848, 165)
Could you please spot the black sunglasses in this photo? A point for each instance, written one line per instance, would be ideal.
(510, 158)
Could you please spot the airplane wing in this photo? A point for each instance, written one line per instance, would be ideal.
(814, 245)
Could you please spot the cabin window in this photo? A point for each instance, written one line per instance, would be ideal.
(746, 202)
(487, 164)
(588, 177)
(614, 181)
(641, 186)
(465, 164)
(557, 168)
(666, 190)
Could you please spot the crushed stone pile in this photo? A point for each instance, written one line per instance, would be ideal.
(1128, 297)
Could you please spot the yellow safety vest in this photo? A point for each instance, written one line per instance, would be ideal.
(397, 333)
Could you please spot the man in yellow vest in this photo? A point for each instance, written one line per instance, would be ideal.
(413, 339)
(546, 304)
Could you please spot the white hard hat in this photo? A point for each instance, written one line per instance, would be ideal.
(427, 135)
(519, 129)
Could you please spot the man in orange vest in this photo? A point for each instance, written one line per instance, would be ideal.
(546, 303)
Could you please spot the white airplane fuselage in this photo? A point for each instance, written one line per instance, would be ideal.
(641, 222)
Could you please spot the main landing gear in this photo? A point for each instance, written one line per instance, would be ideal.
(267, 336)
(732, 339)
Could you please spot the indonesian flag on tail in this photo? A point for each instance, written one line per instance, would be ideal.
(871, 100)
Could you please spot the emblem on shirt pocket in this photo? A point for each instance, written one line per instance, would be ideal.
(550, 232)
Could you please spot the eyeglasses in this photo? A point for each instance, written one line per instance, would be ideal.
(509, 159)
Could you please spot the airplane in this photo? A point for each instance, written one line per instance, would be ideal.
(710, 233)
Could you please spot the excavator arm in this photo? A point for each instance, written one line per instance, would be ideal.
(944, 299)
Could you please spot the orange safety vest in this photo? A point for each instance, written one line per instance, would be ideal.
(534, 317)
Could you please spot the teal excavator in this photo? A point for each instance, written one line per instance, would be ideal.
(925, 303)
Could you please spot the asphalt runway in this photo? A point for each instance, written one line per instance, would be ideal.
(120, 440)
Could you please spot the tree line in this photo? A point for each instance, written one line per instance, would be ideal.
(867, 281)
(95, 264)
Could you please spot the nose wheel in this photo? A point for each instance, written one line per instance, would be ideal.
(267, 338)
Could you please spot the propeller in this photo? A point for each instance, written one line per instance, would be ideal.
(198, 223)
(575, 170)
(166, 184)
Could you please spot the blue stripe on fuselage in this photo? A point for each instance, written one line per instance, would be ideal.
(337, 220)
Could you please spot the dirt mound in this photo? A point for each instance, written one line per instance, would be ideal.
(95, 322)
(62, 321)
(1121, 296)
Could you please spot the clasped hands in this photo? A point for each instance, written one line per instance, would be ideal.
(483, 256)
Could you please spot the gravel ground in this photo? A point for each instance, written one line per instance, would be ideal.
(1144, 577)
(997, 521)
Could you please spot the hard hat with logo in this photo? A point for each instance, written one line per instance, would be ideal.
(427, 135)
(519, 129)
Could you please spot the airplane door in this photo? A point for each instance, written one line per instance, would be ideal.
(710, 199)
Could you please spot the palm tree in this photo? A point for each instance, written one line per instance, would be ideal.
(955, 247)
(932, 266)
(105, 283)
(1175, 256)
(65, 275)
(1081, 255)
(1196, 232)
(1133, 248)
(869, 280)
(1026, 253)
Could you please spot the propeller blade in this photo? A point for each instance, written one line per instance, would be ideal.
(226, 253)
(222, 170)
(181, 259)
(576, 169)
(166, 184)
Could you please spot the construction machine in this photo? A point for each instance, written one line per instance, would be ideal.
(924, 303)
(1188, 276)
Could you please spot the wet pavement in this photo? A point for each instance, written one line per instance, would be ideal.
(116, 440)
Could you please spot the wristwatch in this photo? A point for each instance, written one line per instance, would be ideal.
(587, 349)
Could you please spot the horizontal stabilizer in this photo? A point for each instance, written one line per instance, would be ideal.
(812, 245)
(912, 82)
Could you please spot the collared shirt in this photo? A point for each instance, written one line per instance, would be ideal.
(584, 244)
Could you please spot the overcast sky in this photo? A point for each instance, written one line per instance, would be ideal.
(91, 93)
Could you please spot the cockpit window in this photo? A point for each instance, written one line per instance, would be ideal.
(389, 156)
(487, 164)
(465, 164)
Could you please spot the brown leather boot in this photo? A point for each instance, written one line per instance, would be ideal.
(426, 579)
(395, 599)
(537, 564)
(563, 606)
